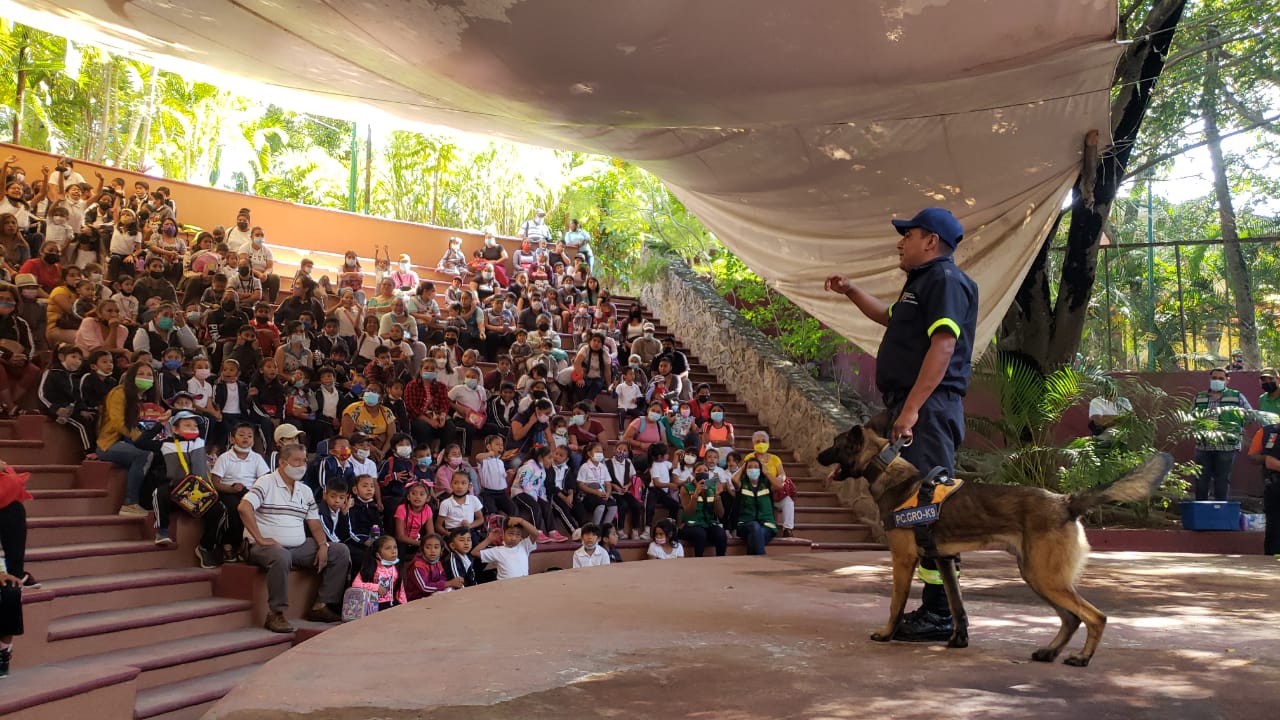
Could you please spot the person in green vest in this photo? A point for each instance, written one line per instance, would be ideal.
(755, 505)
(1216, 451)
(701, 511)
(1269, 400)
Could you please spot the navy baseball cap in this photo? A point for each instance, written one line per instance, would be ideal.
(936, 220)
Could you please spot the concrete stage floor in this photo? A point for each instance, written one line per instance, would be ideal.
(786, 636)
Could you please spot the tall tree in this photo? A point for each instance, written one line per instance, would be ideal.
(1046, 328)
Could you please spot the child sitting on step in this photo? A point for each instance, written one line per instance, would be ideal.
(426, 576)
(380, 573)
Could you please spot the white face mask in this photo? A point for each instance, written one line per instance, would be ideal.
(241, 450)
(362, 454)
(597, 457)
(404, 451)
(295, 472)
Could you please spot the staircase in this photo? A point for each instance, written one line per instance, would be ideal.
(120, 627)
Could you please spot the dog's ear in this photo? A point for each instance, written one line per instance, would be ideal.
(853, 438)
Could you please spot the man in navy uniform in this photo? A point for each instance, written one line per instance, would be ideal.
(922, 370)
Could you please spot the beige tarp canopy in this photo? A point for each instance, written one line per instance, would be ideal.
(793, 129)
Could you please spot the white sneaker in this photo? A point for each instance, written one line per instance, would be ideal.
(645, 535)
(577, 535)
(133, 510)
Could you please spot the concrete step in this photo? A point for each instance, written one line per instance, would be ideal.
(832, 532)
(118, 591)
(23, 452)
(823, 514)
(69, 529)
(53, 692)
(188, 698)
(49, 477)
(72, 501)
(816, 498)
(63, 561)
(99, 632)
(175, 661)
(847, 546)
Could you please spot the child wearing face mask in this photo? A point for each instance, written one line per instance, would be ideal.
(380, 573)
(269, 393)
(362, 456)
(366, 518)
(59, 395)
(199, 386)
(97, 381)
(451, 462)
(461, 509)
(592, 553)
(183, 451)
(594, 502)
(234, 472)
(397, 471)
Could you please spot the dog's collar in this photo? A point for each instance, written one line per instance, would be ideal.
(884, 458)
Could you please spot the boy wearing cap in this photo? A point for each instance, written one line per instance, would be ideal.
(922, 370)
(183, 451)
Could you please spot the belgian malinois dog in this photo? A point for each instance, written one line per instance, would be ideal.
(1039, 528)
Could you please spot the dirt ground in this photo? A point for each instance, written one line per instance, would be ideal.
(1189, 636)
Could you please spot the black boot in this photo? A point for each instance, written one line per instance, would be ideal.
(925, 626)
(5, 656)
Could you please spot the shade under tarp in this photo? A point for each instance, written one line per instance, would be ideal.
(793, 130)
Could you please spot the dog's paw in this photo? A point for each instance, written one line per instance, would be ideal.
(881, 637)
(958, 640)
(1044, 655)
(1076, 661)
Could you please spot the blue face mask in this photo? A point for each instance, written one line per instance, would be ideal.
(654, 417)
(428, 376)
(472, 383)
(172, 364)
(299, 384)
(424, 462)
(717, 417)
(753, 473)
(356, 389)
(387, 563)
(371, 398)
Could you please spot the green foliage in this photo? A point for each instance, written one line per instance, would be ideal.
(1021, 444)
(799, 334)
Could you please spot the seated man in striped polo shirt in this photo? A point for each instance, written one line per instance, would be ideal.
(282, 522)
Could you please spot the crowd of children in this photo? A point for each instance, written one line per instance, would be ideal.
(446, 437)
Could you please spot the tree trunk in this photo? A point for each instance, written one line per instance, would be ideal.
(1233, 257)
(19, 95)
(1046, 330)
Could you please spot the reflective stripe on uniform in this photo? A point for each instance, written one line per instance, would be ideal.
(944, 322)
(931, 577)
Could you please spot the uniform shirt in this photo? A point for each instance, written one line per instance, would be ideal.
(511, 562)
(456, 513)
(1266, 403)
(493, 475)
(658, 553)
(282, 514)
(581, 558)
(936, 295)
(233, 468)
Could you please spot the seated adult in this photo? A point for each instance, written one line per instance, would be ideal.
(261, 263)
(118, 428)
(643, 432)
(103, 329)
(453, 262)
(46, 268)
(282, 521)
(62, 321)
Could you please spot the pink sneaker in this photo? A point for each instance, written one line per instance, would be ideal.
(542, 537)
(557, 537)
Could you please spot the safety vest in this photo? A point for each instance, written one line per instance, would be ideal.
(755, 503)
(704, 512)
(1230, 411)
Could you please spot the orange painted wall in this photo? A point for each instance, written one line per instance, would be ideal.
(285, 223)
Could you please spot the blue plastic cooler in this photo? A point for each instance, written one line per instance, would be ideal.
(1210, 515)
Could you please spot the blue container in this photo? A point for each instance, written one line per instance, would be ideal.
(1210, 515)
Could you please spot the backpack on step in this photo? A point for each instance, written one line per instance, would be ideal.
(358, 603)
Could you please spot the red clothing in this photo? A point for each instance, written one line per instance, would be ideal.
(424, 579)
(49, 276)
(419, 399)
(588, 433)
(373, 372)
(268, 337)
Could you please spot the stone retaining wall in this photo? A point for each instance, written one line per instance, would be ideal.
(785, 397)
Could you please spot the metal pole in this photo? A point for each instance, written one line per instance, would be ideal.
(355, 159)
(1106, 271)
(1182, 310)
(1151, 281)
(368, 169)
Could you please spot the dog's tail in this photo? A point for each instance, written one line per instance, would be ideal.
(1137, 484)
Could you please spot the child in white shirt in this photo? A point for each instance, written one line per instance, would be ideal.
(592, 553)
(511, 558)
(199, 386)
